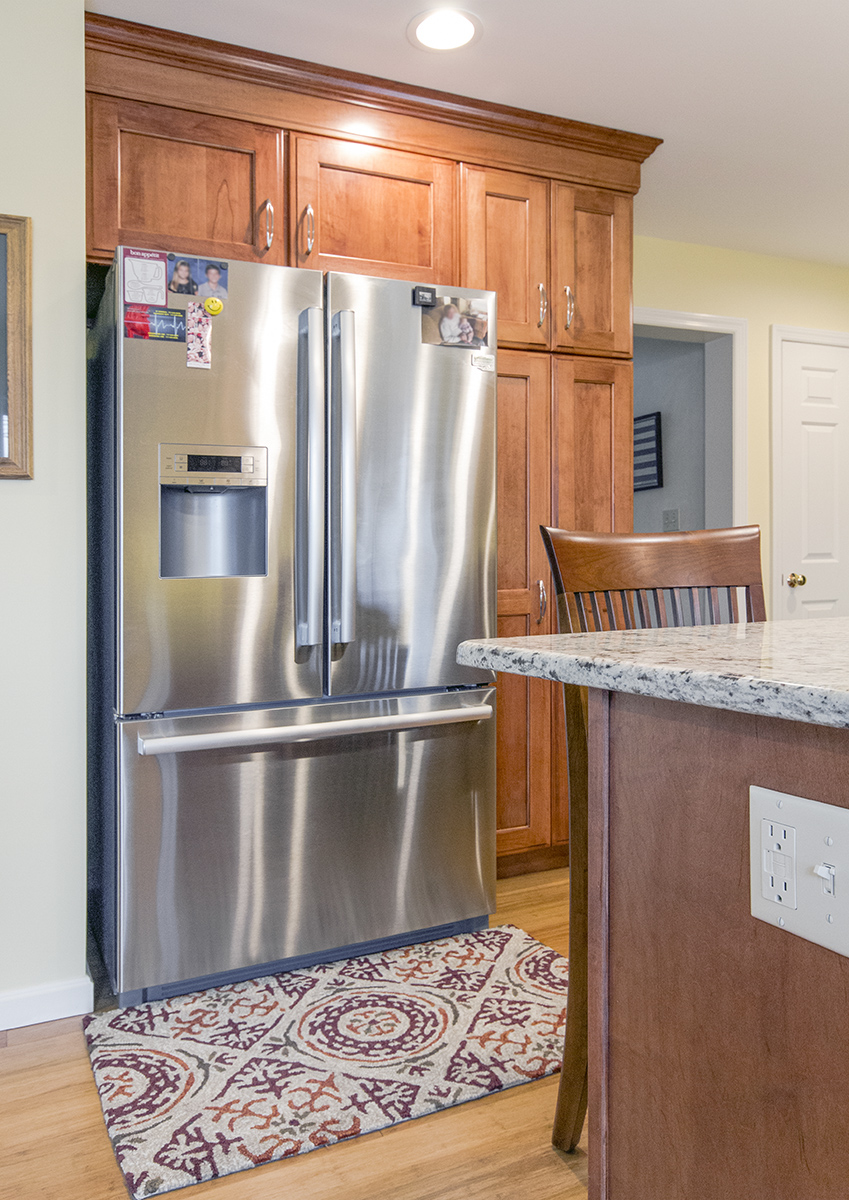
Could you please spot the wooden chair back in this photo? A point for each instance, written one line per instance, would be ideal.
(644, 580)
(628, 581)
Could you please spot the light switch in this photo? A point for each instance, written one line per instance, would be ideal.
(799, 859)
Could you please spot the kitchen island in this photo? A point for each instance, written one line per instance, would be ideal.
(719, 1044)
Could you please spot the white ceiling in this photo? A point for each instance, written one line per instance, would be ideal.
(751, 98)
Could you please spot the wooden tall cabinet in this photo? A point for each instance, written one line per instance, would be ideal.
(524, 503)
(220, 151)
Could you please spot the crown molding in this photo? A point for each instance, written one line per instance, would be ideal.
(164, 46)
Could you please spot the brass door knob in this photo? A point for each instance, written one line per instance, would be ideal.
(794, 580)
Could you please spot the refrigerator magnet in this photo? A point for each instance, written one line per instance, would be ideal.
(144, 274)
(154, 324)
(456, 321)
(198, 336)
(206, 278)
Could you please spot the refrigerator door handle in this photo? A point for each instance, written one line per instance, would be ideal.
(344, 481)
(309, 519)
(282, 735)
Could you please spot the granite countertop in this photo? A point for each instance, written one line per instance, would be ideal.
(798, 670)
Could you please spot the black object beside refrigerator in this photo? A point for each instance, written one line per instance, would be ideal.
(292, 527)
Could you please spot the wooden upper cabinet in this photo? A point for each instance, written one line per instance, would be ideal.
(170, 179)
(591, 270)
(504, 248)
(559, 257)
(373, 211)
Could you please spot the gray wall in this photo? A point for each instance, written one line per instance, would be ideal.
(669, 378)
(687, 377)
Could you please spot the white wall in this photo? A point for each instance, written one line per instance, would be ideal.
(42, 532)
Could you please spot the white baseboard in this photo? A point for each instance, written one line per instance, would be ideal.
(50, 1002)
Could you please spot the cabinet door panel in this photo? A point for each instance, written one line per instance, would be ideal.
(524, 502)
(173, 180)
(505, 249)
(592, 257)
(373, 211)
(593, 444)
(592, 467)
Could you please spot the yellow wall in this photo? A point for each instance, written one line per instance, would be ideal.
(763, 289)
(42, 531)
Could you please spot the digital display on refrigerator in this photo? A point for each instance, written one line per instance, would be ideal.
(215, 462)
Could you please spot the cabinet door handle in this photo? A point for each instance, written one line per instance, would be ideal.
(570, 305)
(309, 214)
(543, 305)
(268, 208)
(543, 601)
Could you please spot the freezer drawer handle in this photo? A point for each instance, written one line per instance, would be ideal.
(180, 743)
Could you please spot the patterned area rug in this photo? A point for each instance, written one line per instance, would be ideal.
(203, 1085)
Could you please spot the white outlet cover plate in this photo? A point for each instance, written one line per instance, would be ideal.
(815, 823)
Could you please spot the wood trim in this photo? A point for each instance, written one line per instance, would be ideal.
(187, 52)
(599, 938)
(18, 282)
(549, 858)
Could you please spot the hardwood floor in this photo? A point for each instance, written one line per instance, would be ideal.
(53, 1141)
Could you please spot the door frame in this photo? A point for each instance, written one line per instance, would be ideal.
(738, 327)
(778, 335)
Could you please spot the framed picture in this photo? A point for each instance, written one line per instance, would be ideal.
(648, 456)
(15, 347)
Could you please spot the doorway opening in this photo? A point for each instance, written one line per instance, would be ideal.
(691, 367)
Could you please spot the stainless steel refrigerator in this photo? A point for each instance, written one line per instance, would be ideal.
(292, 527)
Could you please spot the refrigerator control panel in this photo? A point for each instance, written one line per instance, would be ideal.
(221, 466)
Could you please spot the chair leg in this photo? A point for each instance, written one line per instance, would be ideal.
(572, 1094)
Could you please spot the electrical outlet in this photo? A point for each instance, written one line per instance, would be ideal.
(799, 860)
(778, 862)
(671, 517)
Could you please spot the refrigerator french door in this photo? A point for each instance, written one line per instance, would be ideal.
(286, 547)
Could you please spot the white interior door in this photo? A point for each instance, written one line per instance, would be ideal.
(810, 508)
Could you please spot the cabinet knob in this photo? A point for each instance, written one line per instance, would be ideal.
(794, 580)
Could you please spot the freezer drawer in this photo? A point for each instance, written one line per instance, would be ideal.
(251, 837)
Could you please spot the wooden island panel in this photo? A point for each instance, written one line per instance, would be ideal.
(719, 1048)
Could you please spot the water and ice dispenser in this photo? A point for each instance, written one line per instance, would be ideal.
(213, 511)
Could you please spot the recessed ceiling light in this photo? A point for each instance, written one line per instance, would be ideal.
(443, 29)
